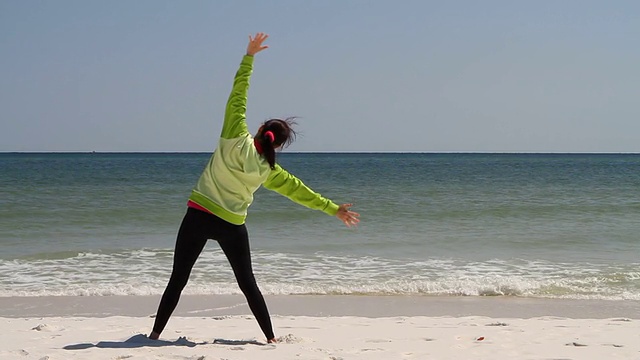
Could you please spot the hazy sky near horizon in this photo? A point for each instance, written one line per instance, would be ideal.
(411, 75)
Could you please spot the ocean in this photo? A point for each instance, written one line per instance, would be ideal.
(432, 224)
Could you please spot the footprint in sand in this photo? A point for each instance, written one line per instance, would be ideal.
(45, 327)
(378, 341)
(575, 344)
(290, 339)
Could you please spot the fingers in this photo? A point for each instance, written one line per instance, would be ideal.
(351, 222)
(259, 38)
(350, 218)
(255, 43)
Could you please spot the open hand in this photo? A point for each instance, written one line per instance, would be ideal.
(255, 43)
(347, 216)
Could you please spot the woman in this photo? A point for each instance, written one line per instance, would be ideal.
(217, 207)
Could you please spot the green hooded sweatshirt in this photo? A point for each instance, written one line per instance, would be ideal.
(236, 169)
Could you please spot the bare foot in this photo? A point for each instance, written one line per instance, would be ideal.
(272, 341)
(154, 335)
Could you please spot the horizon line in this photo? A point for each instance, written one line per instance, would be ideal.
(334, 152)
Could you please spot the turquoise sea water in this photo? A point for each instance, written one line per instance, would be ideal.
(532, 225)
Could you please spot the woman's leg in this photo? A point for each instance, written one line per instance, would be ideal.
(189, 244)
(237, 250)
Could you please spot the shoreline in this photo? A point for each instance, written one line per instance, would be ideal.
(321, 328)
(321, 306)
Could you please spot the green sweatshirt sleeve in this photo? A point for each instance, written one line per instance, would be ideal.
(235, 114)
(284, 183)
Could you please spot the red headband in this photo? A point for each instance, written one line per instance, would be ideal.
(269, 135)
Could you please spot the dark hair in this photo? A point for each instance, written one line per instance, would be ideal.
(283, 135)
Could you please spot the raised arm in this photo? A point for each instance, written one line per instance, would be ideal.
(235, 114)
(282, 182)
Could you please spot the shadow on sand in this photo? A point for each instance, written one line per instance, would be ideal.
(141, 340)
(135, 341)
(238, 342)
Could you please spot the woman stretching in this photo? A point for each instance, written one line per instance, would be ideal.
(217, 207)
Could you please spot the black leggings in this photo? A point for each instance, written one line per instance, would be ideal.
(197, 227)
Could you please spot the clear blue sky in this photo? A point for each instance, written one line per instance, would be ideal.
(151, 75)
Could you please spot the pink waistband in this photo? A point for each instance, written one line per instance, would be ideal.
(196, 206)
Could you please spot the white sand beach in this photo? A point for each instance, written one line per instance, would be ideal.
(320, 327)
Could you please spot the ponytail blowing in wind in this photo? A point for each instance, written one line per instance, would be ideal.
(275, 134)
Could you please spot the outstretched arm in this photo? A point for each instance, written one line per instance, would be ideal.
(235, 114)
(290, 186)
